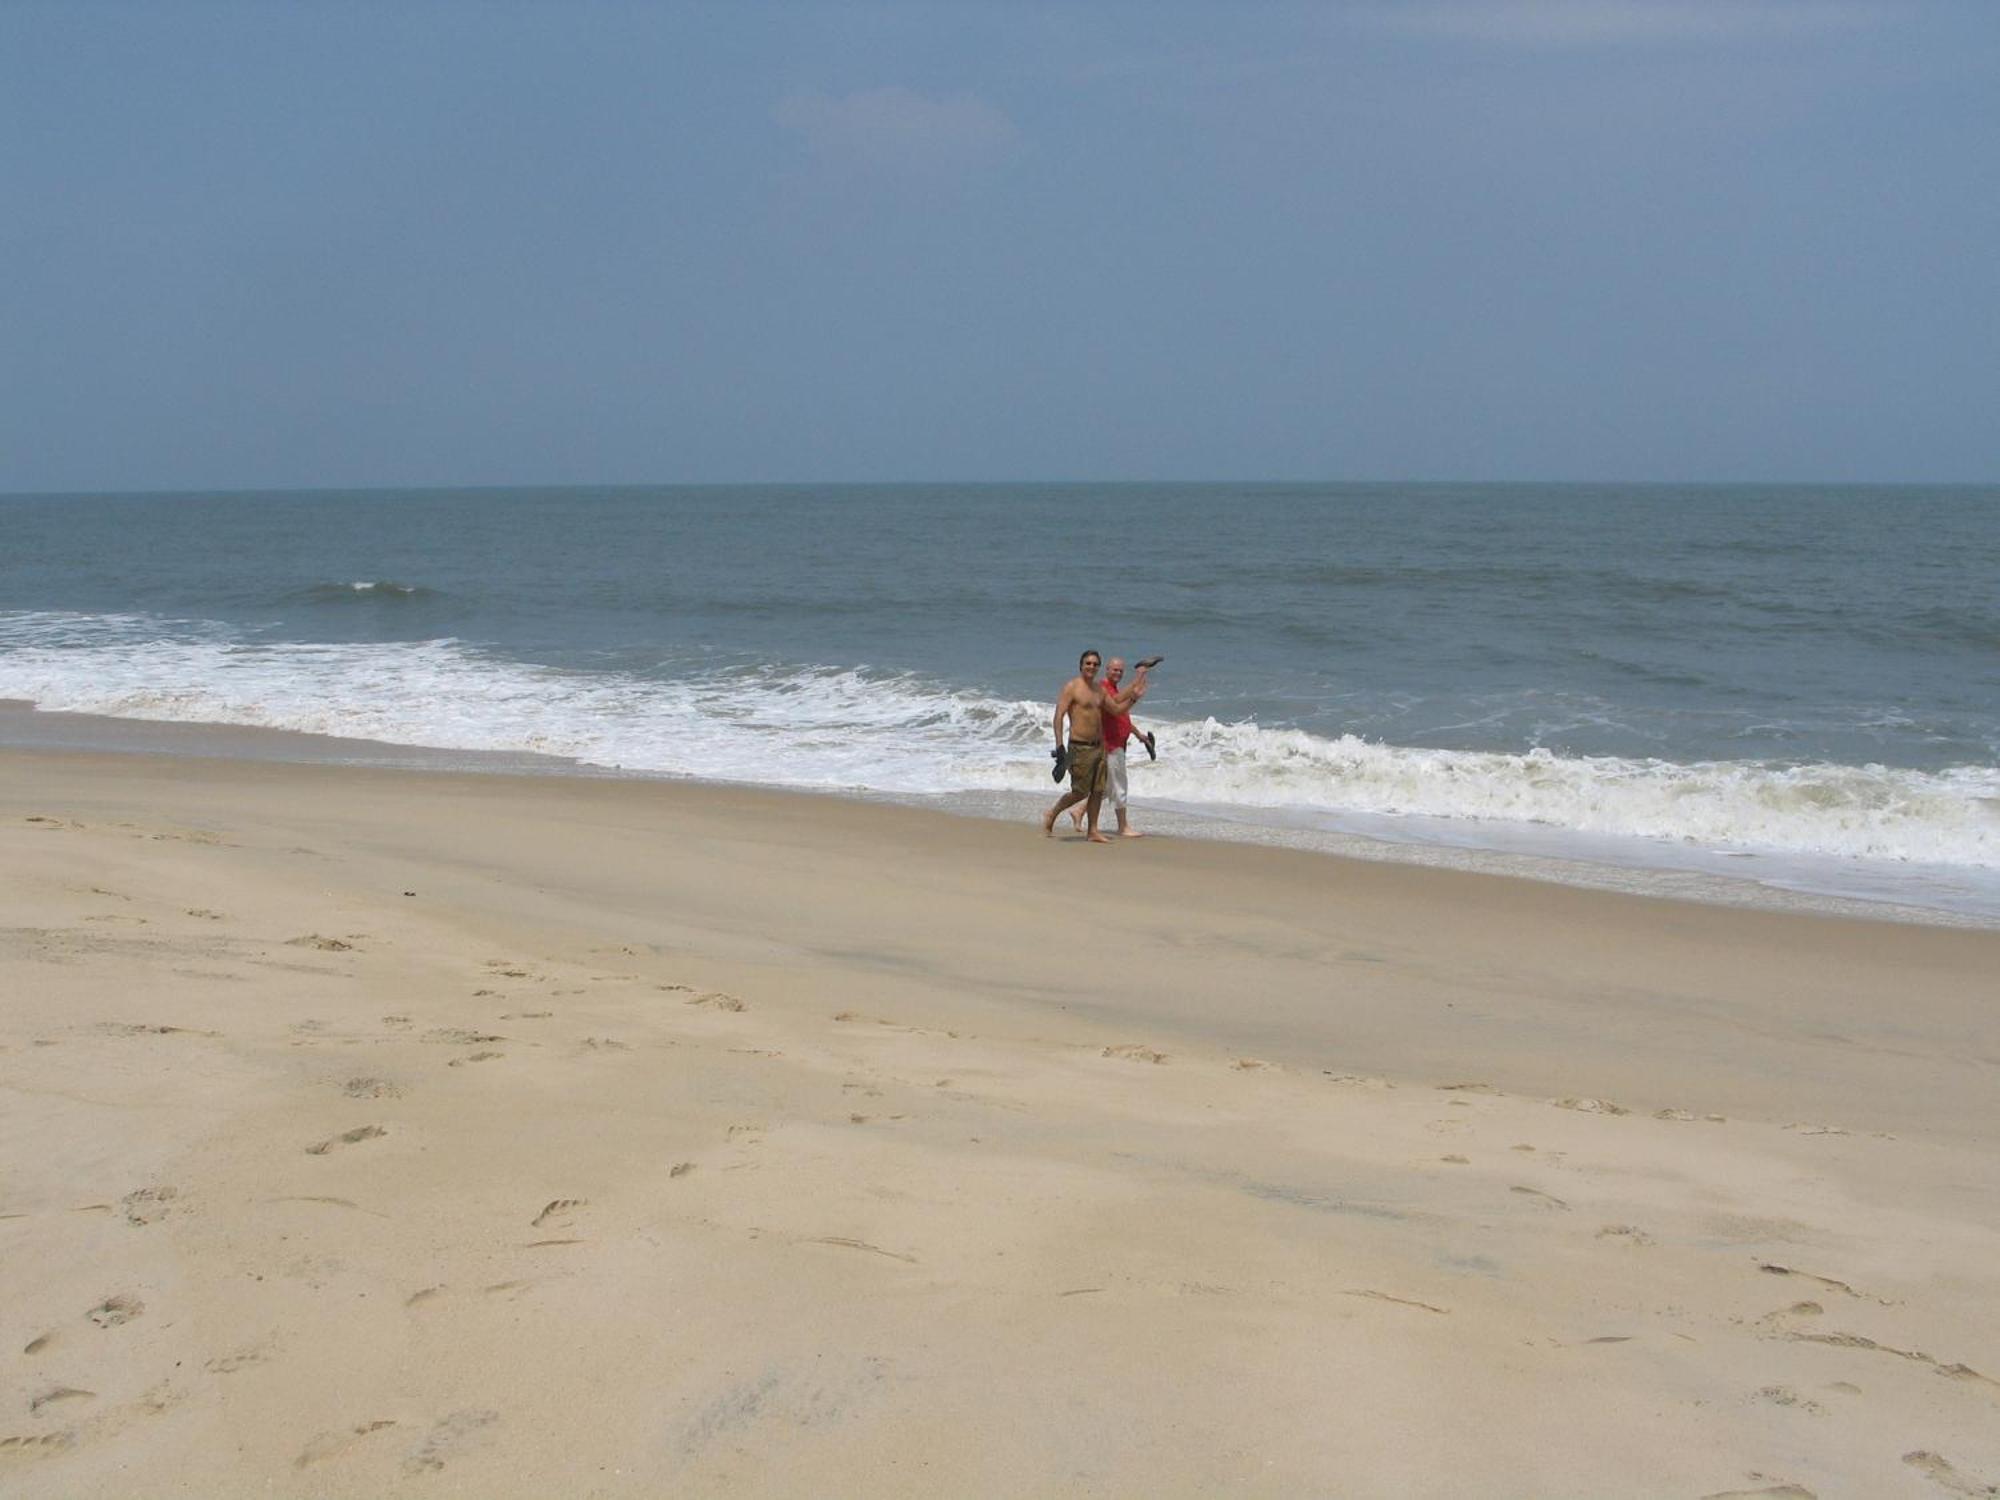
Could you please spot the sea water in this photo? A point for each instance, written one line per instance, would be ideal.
(1799, 685)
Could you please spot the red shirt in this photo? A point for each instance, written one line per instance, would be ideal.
(1117, 729)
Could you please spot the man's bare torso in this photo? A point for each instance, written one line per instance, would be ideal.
(1084, 702)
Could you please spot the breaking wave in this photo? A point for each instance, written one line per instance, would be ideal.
(850, 728)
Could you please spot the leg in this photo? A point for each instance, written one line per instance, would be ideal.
(1119, 786)
(1096, 804)
(1067, 799)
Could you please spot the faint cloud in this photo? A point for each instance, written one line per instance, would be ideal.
(1618, 23)
(1144, 67)
(896, 129)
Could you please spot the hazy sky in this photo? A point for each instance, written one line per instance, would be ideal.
(296, 244)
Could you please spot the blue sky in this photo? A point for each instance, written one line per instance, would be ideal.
(373, 244)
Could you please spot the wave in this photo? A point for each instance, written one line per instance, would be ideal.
(854, 728)
(1868, 812)
(362, 590)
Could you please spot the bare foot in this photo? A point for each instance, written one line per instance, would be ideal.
(1077, 819)
(1097, 838)
(1049, 824)
(1130, 833)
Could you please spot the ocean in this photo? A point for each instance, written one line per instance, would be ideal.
(1793, 688)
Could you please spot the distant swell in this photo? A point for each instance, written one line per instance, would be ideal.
(363, 590)
(837, 727)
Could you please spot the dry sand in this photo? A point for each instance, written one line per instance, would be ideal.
(386, 1133)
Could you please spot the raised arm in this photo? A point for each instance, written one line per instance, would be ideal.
(1120, 702)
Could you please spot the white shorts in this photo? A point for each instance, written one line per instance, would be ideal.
(1114, 766)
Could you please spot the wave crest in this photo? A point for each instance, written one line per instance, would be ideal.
(363, 591)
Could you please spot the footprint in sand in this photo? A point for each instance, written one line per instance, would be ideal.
(459, 1036)
(318, 940)
(1784, 1395)
(1769, 1492)
(1939, 1471)
(1796, 1310)
(346, 1138)
(36, 1445)
(557, 1213)
(1548, 1199)
(719, 1001)
(1772, 1268)
(1134, 1052)
(447, 1438)
(333, 1444)
(1591, 1106)
(242, 1359)
(115, 1310)
(59, 1393)
(474, 1057)
(1631, 1234)
(513, 1290)
(370, 1088)
(148, 1205)
(37, 1344)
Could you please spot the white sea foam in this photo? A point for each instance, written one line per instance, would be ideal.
(843, 728)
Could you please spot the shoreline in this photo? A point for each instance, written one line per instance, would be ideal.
(392, 1132)
(1675, 875)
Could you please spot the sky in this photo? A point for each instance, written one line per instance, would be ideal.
(288, 244)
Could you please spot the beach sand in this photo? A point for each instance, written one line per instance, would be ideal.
(381, 1133)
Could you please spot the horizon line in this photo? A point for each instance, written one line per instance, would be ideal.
(522, 486)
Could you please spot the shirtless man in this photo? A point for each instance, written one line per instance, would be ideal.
(1084, 701)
